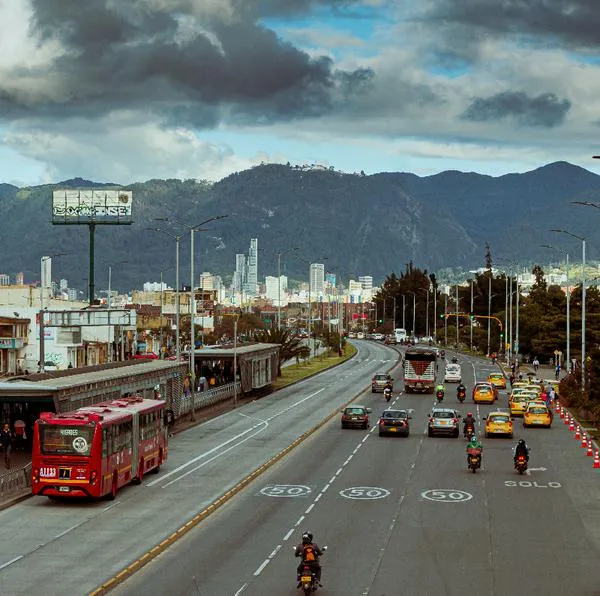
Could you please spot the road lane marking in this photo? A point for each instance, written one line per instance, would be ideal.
(300, 520)
(262, 566)
(68, 530)
(287, 536)
(241, 589)
(262, 423)
(11, 561)
(309, 509)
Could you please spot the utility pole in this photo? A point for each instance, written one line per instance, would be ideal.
(457, 337)
(235, 322)
(394, 313)
(445, 320)
(471, 339)
(489, 310)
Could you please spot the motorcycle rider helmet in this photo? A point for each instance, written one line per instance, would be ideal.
(307, 537)
(522, 442)
(469, 414)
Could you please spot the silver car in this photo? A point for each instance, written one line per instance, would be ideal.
(443, 421)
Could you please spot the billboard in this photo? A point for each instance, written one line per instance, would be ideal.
(98, 206)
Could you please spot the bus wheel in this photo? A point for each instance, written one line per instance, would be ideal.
(113, 489)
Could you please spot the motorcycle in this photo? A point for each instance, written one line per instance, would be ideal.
(440, 396)
(469, 431)
(308, 577)
(454, 360)
(387, 393)
(461, 396)
(474, 459)
(521, 464)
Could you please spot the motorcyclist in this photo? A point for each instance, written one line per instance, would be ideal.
(468, 422)
(454, 360)
(461, 389)
(521, 448)
(389, 385)
(387, 393)
(309, 553)
(440, 390)
(474, 444)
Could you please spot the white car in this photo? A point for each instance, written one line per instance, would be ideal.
(360, 335)
(453, 374)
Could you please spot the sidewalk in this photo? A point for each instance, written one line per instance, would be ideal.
(15, 483)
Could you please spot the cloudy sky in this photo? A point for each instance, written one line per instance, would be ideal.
(125, 91)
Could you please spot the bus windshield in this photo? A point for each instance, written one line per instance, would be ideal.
(65, 440)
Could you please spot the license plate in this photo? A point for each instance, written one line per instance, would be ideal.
(393, 429)
(64, 489)
(306, 578)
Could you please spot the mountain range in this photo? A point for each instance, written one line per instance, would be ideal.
(356, 224)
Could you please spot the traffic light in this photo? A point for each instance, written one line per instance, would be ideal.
(441, 316)
(501, 335)
(472, 317)
(380, 321)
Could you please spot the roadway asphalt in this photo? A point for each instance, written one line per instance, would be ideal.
(73, 547)
(402, 516)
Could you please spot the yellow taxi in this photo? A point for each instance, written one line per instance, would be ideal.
(484, 393)
(519, 402)
(498, 423)
(498, 380)
(520, 384)
(537, 414)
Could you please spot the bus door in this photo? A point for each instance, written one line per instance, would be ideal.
(135, 449)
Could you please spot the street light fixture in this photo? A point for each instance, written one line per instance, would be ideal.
(582, 239)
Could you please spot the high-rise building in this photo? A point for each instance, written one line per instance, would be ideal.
(20, 279)
(366, 281)
(46, 266)
(154, 286)
(330, 280)
(63, 284)
(4, 279)
(239, 276)
(273, 290)
(317, 278)
(251, 286)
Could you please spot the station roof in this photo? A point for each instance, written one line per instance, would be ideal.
(228, 352)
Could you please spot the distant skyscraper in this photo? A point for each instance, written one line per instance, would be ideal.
(20, 279)
(273, 289)
(46, 263)
(4, 279)
(366, 281)
(64, 284)
(239, 276)
(317, 278)
(251, 286)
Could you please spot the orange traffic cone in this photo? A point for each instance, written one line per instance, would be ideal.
(578, 433)
(584, 441)
(567, 418)
(572, 424)
(590, 450)
(596, 460)
(562, 413)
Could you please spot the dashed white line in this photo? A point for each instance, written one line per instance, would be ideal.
(241, 589)
(348, 460)
(309, 509)
(326, 487)
(339, 471)
(331, 479)
(262, 566)
(300, 520)
(287, 536)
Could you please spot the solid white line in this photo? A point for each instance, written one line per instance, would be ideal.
(263, 565)
(310, 508)
(287, 536)
(11, 561)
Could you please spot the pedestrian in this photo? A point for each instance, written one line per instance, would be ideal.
(557, 372)
(512, 379)
(6, 439)
(573, 365)
(202, 382)
(70, 365)
(536, 365)
(551, 395)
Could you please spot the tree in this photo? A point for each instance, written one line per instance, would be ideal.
(291, 346)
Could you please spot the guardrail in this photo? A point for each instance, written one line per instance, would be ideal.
(16, 481)
(207, 398)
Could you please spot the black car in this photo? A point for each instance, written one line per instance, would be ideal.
(394, 422)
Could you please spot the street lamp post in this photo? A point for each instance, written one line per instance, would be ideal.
(568, 357)
(445, 320)
(279, 253)
(582, 239)
(404, 312)
(457, 336)
(489, 310)
(394, 314)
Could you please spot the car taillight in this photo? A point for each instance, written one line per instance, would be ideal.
(381, 421)
(510, 423)
(455, 420)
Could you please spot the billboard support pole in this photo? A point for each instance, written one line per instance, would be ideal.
(92, 287)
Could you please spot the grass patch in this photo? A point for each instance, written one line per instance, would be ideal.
(306, 368)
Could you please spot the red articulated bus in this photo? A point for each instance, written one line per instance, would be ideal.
(93, 451)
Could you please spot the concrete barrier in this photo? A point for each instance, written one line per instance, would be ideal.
(15, 482)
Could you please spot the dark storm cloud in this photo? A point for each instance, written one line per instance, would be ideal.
(546, 110)
(282, 8)
(128, 56)
(574, 22)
